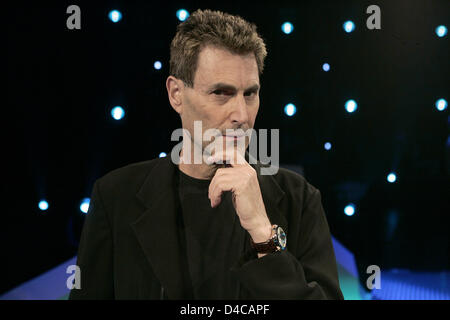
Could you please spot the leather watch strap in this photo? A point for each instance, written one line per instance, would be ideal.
(268, 246)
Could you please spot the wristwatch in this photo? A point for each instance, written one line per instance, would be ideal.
(276, 243)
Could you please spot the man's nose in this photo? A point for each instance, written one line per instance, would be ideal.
(239, 114)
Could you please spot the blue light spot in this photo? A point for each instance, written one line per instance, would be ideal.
(326, 67)
(327, 146)
(117, 113)
(441, 31)
(441, 104)
(157, 65)
(182, 14)
(349, 26)
(84, 206)
(391, 177)
(287, 27)
(351, 106)
(162, 155)
(290, 109)
(43, 205)
(349, 210)
(115, 16)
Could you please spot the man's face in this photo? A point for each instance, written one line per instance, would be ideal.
(225, 94)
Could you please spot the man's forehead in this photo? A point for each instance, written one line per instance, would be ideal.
(218, 67)
(212, 53)
(229, 86)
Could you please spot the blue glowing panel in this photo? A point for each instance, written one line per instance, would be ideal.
(402, 284)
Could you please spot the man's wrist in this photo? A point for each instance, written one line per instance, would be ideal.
(262, 234)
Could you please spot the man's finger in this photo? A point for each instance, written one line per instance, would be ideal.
(218, 185)
(229, 156)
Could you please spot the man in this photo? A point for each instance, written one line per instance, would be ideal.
(165, 229)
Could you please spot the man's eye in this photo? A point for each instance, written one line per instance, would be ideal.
(227, 93)
(221, 92)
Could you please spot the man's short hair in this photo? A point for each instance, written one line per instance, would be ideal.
(222, 30)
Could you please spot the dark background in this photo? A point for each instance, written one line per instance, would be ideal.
(62, 84)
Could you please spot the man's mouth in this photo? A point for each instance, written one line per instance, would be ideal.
(232, 137)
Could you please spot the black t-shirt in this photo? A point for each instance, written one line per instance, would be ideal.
(212, 240)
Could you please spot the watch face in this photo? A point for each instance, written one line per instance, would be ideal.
(281, 238)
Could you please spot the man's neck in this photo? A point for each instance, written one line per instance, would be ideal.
(199, 171)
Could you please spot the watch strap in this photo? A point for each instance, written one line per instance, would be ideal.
(268, 246)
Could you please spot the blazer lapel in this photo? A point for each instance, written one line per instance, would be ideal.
(156, 228)
(272, 196)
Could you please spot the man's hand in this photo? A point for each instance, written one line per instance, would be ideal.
(241, 180)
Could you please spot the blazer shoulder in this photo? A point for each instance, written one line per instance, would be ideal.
(127, 178)
(292, 182)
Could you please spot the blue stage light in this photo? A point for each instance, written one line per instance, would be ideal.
(182, 14)
(351, 106)
(287, 27)
(349, 210)
(84, 205)
(162, 155)
(327, 146)
(326, 67)
(441, 104)
(348, 26)
(441, 31)
(117, 112)
(391, 177)
(43, 205)
(115, 16)
(290, 109)
(157, 65)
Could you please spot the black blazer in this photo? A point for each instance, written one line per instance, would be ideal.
(129, 249)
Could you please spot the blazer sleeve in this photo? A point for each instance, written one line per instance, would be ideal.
(95, 253)
(310, 273)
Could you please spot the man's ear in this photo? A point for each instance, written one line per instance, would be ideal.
(174, 90)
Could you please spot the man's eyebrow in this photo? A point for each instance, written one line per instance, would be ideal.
(225, 86)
